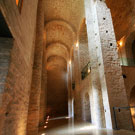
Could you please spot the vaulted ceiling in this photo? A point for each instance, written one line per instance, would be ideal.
(62, 23)
(63, 19)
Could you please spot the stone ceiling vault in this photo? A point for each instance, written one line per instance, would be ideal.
(62, 22)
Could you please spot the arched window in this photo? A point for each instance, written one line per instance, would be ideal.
(87, 112)
(133, 50)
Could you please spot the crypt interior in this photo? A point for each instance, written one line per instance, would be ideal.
(67, 67)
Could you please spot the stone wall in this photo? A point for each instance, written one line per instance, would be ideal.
(5, 54)
(82, 87)
(37, 78)
(107, 81)
(129, 81)
(15, 98)
(85, 84)
(122, 12)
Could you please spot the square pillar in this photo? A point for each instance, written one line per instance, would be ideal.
(107, 81)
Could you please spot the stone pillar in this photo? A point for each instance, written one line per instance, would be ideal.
(70, 96)
(34, 101)
(105, 65)
(98, 109)
(43, 87)
(77, 94)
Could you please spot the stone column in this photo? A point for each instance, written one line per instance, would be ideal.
(77, 94)
(43, 87)
(106, 65)
(98, 109)
(70, 96)
(34, 101)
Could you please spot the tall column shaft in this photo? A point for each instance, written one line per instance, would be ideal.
(98, 108)
(102, 41)
(43, 88)
(70, 94)
(34, 101)
(78, 95)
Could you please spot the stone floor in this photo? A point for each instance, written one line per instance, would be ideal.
(69, 127)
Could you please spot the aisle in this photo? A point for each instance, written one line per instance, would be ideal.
(65, 126)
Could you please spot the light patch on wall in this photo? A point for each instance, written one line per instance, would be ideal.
(17, 2)
(89, 70)
(120, 43)
(43, 134)
(77, 44)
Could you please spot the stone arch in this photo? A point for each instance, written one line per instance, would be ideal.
(63, 22)
(57, 75)
(57, 49)
(58, 42)
(56, 61)
(132, 104)
(59, 30)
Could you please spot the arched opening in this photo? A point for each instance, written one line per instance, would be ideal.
(132, 104)
(57, 93)
(133, 50)
(87, 114)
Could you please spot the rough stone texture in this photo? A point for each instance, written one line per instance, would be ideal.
(77, 92)
(68, 11)
(36, 87)
(130, 87)
(114, 82)
(15, 100)
(130, 79)
(111, 83)
(82, 87)
(6, 45)
(64, 26)
(61, 24)
(123, 16)
(98, 109)
(43, 97)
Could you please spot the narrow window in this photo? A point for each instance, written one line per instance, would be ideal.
(19, 4)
